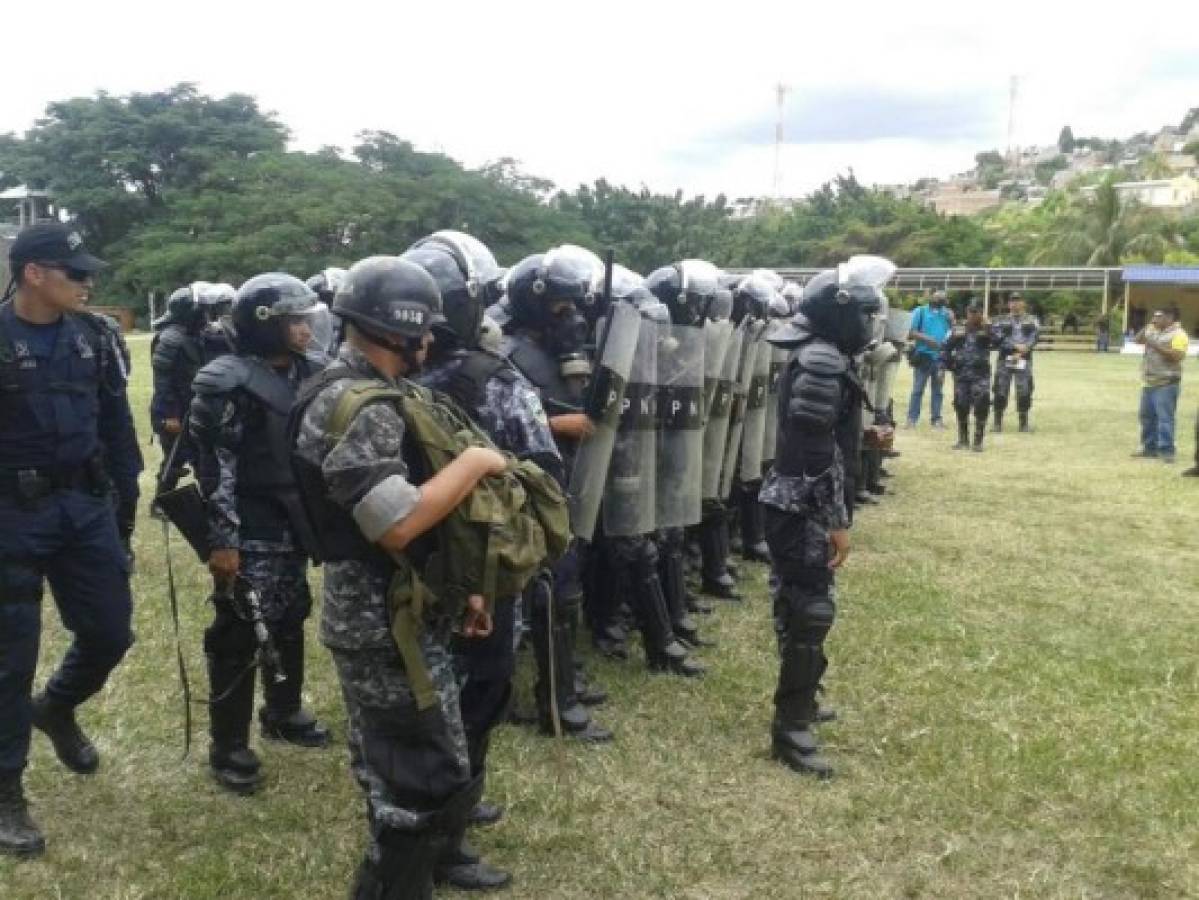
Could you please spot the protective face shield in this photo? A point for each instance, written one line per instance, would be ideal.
(840, 304)
(751, 299)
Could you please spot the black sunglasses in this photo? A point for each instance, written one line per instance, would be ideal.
(76, 275)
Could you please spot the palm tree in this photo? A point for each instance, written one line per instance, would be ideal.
(1101, 229)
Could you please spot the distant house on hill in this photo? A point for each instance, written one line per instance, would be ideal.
(955, 201)
(1161, 193)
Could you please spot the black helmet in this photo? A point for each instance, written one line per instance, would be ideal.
(687, 288)
(181, 310)
(466, 274)
(751, 298)
(388, 297)
(840, 303)
(326, 282)
(262, 305)
(543, 279)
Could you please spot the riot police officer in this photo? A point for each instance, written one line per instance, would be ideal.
(807, 518)
(410, 759)
(177, 352)
(257, 533)
(545, 335)
(967, 354)
(66, 434)
(691, 292)
(489, 389)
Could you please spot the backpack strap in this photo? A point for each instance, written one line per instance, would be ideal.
(360, 393)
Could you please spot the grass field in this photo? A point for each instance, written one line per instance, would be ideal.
(1014, 664)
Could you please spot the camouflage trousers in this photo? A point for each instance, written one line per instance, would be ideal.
(971, 394)
(409, 763)
(1004, 376)
(280, 578)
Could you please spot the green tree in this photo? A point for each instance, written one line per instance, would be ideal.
(1065, 140)
(1100, 229)
(113, 161)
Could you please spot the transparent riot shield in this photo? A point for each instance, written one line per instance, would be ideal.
(778, 362)
(716, 429)
(681, 366)
(744, 374)
(629, 506)
(617, 347)
(753, 438)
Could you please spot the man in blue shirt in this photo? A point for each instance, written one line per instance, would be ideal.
(66, 438)
(931, 324)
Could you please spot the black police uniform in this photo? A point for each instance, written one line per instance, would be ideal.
(66, 438)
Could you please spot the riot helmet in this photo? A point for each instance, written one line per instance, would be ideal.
(262, 309)
(182, 309)
(215, 300)
(392, 302)
(751, 299)
(326, 282)
(539, 284)
(466, 274)
(840, 304)
(687, 288)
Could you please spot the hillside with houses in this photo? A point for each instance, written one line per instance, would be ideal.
(1159, 170)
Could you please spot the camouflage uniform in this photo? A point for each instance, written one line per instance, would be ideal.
(1008, 331)
(507, 407)
(241, 457)
(968, 355)
(413, 766)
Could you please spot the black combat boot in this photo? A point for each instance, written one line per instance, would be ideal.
(663, 652)
(234, 765)
(753, 527)
(19, 834)
(553, 652)
(589, 694)
(56, 720)
(792, 741)
(997, 423)
(485, 813)
(1023, 413)
(460, 866)
(716, 580)
(980, 429)
(405, 867)
(963, 434)
(283, 718)
(674, 590)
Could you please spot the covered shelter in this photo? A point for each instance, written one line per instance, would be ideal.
(1147, 288)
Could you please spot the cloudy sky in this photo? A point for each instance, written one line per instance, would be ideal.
(648, 93)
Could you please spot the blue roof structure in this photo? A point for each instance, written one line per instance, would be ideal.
(1161, 274)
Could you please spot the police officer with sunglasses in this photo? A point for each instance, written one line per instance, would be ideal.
(66, 438)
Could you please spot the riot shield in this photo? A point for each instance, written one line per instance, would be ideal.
(778, 362)
(618, 345)
(753, 439)
(681, 367)
(628, 506)
(744, 374)
(716, 429)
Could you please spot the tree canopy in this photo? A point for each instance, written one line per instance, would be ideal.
(175, 186)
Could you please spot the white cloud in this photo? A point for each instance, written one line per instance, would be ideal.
(625, 90)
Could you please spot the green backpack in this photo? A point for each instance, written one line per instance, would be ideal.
(492, 543)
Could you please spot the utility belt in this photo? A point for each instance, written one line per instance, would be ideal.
(28, 486)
